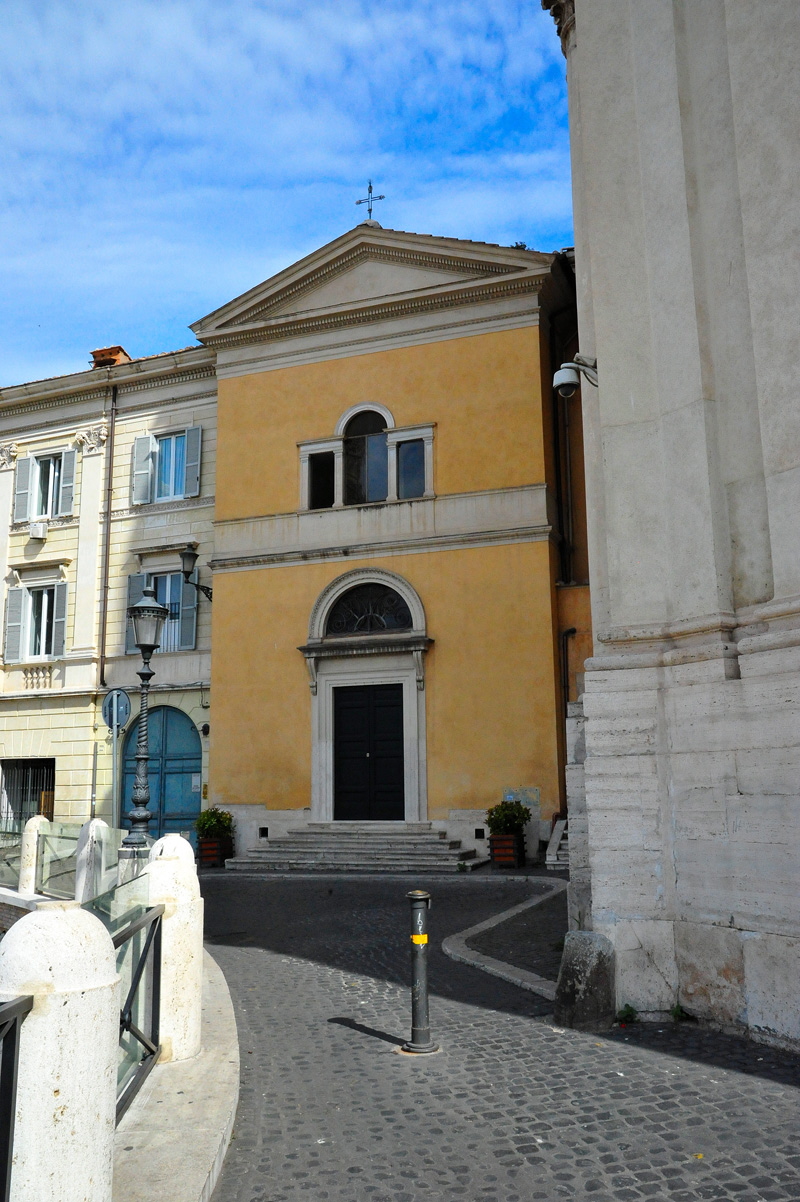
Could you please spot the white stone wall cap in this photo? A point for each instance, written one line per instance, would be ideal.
(58, 948)
(172, 880)
(172, 847)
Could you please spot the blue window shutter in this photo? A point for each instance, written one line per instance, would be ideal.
(22, 488)
(136, 586)
(66, 499)
(144, 458)
(15, 608)
(188, 633)
(194, 438)
(60, 620)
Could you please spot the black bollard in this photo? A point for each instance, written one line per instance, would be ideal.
(420, 1021)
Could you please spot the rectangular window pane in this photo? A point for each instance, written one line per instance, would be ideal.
(42, 607)
(377, 468)
(179, 471)
(355, 453)
(167, 589)
(50, 605)
(55, 485)
(44, 487)
(37, 613)
(320, 480)
(411, 469)
(164, 482)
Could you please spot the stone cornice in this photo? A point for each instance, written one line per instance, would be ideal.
(372, 313)
(563, 13)
(86, 386)
(372, 550)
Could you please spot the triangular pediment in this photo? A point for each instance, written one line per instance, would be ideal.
(367, 268)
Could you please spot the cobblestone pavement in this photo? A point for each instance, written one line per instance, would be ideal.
(533, 940)
(510, 1110)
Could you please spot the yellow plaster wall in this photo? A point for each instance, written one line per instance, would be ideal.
(491, 711)
(482, 392)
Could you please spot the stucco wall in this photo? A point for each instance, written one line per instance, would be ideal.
(490, 679)
(482, 392)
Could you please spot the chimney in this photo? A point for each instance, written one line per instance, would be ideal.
(110, 356)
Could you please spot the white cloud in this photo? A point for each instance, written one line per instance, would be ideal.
(162, 155)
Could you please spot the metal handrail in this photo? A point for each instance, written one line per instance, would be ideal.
(12, 1015)
(150, 920)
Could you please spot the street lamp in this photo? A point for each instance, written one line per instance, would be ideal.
(148, 616)
(189, 558)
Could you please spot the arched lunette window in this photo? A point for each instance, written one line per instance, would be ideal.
(368, 609)
(366, 474)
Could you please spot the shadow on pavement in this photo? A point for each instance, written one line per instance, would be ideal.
(362, 926)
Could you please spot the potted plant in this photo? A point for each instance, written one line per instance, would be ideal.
(506, 822)
(214, 837)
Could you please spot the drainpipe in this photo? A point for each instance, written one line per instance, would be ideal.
(566, 635)
(107, 535)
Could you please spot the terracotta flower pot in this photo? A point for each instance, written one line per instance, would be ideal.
(212, 853)
(507, 851)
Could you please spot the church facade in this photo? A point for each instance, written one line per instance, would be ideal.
(390, 588)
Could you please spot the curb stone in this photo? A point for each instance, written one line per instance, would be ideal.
(455, 946)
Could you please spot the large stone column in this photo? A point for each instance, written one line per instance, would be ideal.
(684, 122)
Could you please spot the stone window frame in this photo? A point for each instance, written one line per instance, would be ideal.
(335, 445)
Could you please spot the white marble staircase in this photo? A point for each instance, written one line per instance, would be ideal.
(358, 847)
(557, 858)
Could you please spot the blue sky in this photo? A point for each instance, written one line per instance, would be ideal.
(159, 158)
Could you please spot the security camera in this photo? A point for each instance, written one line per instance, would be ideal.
(567, 380)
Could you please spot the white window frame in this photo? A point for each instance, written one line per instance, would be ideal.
(174, 494)
(146, 458)
(394, 436)
(48, 616)
(52, 507)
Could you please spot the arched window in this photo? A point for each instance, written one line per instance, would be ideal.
(368, 609)
(365, 459)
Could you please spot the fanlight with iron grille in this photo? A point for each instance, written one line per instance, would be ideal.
(368, 609)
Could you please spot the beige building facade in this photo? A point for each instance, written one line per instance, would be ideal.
(105, 476)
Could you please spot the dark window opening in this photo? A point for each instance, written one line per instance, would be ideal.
(28, 789)
(320, 480)
(480, 832)
(369, 609)
(411, 469)
(366, 476)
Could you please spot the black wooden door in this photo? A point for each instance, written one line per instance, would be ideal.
(368, 753)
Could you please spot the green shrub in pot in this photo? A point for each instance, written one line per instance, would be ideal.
(508, 818)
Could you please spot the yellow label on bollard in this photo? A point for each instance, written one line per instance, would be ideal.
(419, 938)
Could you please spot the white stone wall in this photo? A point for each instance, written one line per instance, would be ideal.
(685, 122)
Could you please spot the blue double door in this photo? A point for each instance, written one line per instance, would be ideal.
(175, 767)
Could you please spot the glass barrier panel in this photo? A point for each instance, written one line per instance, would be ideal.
(56, 860)
(10, 844)
(118, 909)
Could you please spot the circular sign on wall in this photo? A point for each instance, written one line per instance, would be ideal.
(123, 708)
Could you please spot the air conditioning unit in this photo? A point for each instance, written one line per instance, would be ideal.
(38, 530)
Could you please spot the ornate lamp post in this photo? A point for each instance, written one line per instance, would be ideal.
(148, 616)
(189, 558)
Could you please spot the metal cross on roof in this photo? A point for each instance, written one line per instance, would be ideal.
(368, 200)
